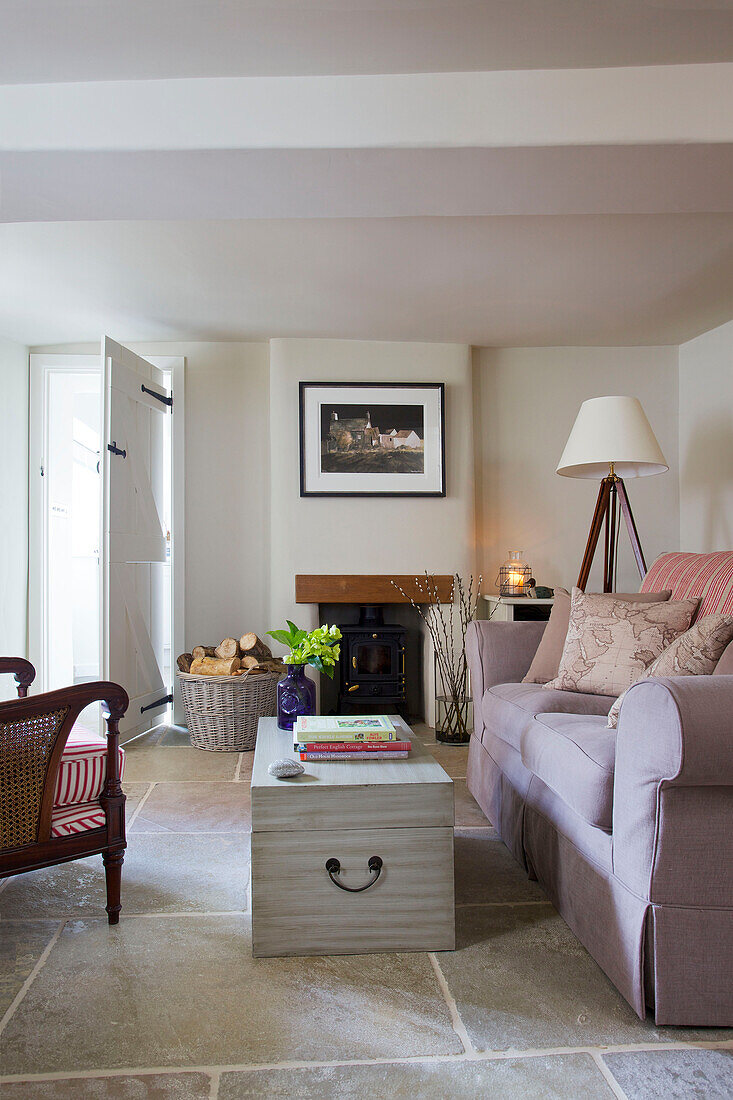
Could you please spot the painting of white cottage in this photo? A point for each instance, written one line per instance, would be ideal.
(380, 439)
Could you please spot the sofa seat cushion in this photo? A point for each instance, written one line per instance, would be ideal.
(574, 755)
(509, 708)
(83, 768)
(66, 820)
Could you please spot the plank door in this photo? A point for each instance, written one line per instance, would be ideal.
(136, 632)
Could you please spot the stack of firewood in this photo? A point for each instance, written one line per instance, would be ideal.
(231, 657)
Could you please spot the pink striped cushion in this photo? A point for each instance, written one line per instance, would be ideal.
(709, 576)
(83, 768)
(66, 820)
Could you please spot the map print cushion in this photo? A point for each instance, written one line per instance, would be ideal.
(610, 643)
(546, 661)
(694, 653)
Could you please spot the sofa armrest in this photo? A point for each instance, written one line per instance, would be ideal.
(673, 791)
(498, 653)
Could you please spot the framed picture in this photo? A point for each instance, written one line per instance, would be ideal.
(372, 440)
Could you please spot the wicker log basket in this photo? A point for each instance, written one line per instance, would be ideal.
(222, 711)
(226, 689)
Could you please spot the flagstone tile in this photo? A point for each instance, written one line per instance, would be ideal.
(556, 1077)
(134, 792)
(175, 737)
(185, 991)
(674, 1074)
(452, 758)
(148, 1086)
(162, 873)
(486, 871)
(160, 764)
(195, 807)
(467, 810)
(522, 980)
(21, 945)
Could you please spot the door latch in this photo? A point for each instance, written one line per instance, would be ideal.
(115, 449)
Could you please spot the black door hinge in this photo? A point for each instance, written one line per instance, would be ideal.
(115, 449)
(157, 703)
(162, 397)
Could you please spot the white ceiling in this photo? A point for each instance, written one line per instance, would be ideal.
(77, 40)
(586, 205)
(604, 280)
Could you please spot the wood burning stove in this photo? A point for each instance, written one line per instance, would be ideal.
(372, 664)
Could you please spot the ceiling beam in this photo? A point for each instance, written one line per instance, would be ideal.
(641, 105)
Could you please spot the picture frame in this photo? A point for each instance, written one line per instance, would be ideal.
(366, 439)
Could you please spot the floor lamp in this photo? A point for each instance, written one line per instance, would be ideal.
(611, 439)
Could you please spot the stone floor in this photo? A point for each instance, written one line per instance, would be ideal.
(171, 1005)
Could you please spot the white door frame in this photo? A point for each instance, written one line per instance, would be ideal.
(41, 365)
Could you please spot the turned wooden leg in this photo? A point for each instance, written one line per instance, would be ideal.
(113, 873)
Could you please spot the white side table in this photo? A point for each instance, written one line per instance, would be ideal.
(515, 609)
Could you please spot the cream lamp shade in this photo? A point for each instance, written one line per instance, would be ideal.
(611, 430)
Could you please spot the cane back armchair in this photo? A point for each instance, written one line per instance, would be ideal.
(33, 735)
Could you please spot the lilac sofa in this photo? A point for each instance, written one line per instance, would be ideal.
(629, 831)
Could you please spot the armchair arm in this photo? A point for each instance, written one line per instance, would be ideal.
(33, 735)
(673, 790)
(498, 653)
(23, 671)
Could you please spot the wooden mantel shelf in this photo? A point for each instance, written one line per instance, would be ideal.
(364, 589)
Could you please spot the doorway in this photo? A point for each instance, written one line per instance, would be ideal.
(77, 506)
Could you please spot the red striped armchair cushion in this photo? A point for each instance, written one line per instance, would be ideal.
(709, 576)
(83, 769)
(66, 820)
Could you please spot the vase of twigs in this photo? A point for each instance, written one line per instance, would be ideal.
(447, 625)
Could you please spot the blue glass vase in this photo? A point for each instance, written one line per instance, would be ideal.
(296, 694)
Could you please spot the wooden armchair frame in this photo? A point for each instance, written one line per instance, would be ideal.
(33, 735)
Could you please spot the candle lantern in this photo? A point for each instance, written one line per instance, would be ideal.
(514, 575)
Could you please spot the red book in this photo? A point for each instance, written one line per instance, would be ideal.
(354, 746)
(346, 758)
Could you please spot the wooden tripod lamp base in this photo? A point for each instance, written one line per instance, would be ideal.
(611, 438)
(612, 500)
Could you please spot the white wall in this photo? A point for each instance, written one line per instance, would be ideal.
(13, 505)
(706, 441)
(363, 535)
(526, 400)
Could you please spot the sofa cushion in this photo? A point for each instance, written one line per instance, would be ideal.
(83, 768)
(708, 576)
(509, 708)
(610, 642)
(694, 653)
(66, 820)
(574, 755)
(546, 661)
(724, 666)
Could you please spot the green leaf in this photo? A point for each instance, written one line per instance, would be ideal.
(280, 636)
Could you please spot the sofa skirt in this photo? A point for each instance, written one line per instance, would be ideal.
(579, 882)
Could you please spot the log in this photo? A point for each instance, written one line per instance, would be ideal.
(274, 665)
(215, 666)
(228, 648)
(184, 662)
(200, 651)
(255, 647)
(249, 662)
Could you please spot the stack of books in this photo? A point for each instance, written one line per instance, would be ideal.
(351, 737)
